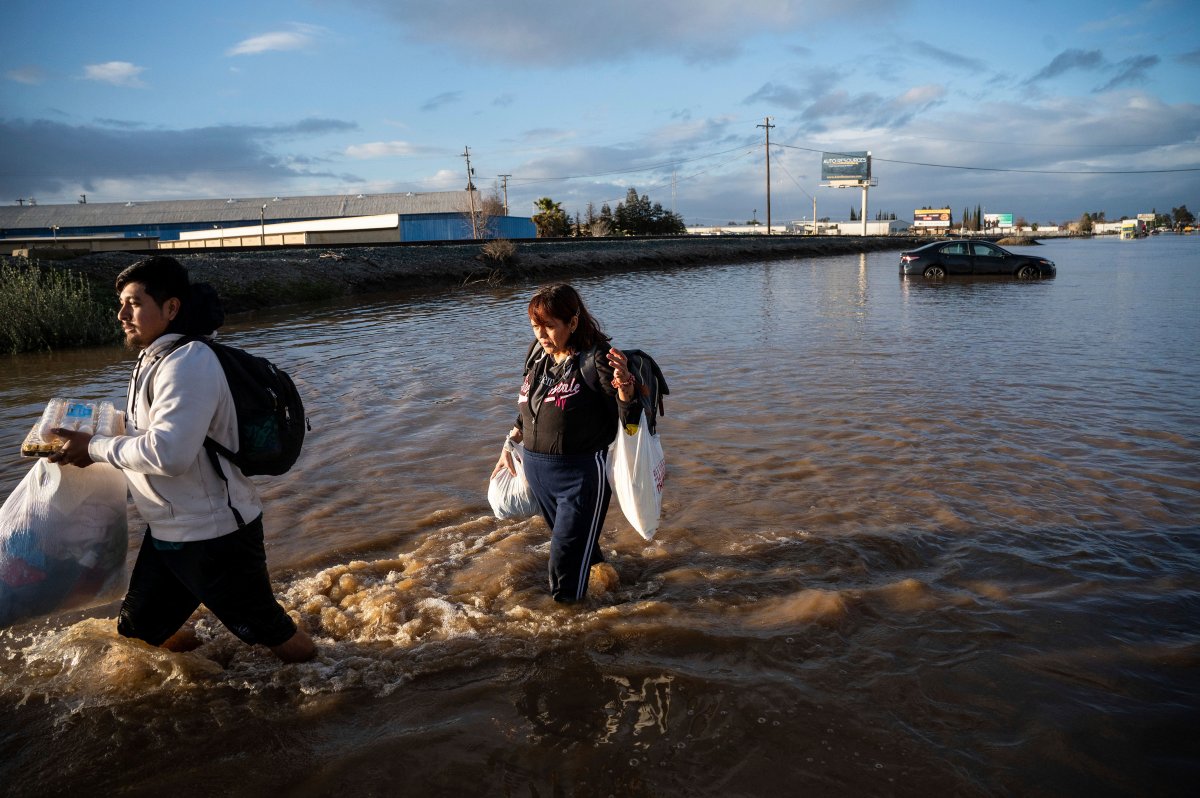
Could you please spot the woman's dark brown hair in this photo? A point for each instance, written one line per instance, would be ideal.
(561, 302)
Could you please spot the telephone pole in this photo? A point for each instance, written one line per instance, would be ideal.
(505, 178)
(471, 192)
(767, 127)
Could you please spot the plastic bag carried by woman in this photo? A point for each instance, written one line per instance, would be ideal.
(63, 539)
(510, 494)
(637, 470)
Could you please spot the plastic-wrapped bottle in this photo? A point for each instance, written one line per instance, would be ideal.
(94, 418)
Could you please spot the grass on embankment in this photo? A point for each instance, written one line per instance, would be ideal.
(47, 307)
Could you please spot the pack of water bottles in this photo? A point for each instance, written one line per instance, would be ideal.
(94, 418)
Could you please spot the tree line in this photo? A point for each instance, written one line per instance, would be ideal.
(1178, 219)
(636, 216)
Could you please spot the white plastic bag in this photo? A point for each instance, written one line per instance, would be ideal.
(637, 469)
(63, 539)
(511, 496)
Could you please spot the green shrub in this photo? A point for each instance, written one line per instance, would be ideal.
(51, 308)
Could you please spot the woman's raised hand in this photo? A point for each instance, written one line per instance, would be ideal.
(622, 379)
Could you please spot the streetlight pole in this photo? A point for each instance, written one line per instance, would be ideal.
(262, 226)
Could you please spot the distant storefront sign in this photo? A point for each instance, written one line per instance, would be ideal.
(846, 167)
(931, 217)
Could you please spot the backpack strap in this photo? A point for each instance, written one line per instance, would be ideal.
(180, 341)
(216, 464)
(212, 447)
(531, 356)
(587, 368)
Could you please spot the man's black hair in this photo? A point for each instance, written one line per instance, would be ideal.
(163, 277)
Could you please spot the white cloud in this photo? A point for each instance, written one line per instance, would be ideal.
(447, 180)
(921, 95)
(117, 73)
(299, 37)
(29, 75)
(381, 149)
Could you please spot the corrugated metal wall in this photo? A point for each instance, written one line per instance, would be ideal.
(456, 227)
(515, 227)
(434, 227)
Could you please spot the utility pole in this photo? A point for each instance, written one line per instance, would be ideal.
(471, 192)
(767, 127)
(505, 178)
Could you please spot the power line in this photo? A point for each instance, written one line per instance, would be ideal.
(1031, 144)
(1020, 171)
(632, 170)
(743, 154)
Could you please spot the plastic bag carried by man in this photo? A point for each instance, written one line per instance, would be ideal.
(63, 540)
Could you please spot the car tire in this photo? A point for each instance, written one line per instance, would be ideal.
(934, 272)
(1028, 272)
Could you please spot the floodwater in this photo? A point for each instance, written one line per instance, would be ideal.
(918, 539)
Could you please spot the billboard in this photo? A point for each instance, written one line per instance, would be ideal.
(998, 220)
(931, 217)
(846, 167)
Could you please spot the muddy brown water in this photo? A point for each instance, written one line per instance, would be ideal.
(919, 538)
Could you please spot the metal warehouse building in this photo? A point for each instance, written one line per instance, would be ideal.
(429, 216)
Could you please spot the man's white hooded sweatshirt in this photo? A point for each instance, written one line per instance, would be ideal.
(176, 398)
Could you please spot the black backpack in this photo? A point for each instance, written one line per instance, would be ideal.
(649, 382)
(270, 414)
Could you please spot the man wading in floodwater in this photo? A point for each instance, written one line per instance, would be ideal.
(195, 550)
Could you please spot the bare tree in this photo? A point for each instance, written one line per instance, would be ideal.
(481, 210)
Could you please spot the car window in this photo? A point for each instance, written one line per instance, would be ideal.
(987, 250)
(956, 249)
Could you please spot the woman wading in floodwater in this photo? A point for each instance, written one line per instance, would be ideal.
(566, 426)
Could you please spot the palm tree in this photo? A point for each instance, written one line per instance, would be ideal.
(550, 219)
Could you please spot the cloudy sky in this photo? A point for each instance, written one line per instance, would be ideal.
(1040, 109)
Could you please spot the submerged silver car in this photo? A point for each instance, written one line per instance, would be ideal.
(948, 258)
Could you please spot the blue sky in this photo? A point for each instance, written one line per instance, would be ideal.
(1044, 101)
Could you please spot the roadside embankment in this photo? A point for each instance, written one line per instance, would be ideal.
(252, 279)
